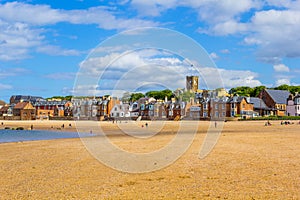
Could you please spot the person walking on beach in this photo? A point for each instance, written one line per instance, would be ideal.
(215, 124)
(31, 127)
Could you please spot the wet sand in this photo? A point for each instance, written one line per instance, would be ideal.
(250, 161)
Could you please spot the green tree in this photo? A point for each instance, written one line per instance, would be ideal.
(291, 89)
(294, 89)
(126, 97)
(283, 87)
(186, 96)
(136, 96)
(241, 91)
(160, 94)
(256, 90)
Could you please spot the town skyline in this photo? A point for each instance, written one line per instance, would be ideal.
(254, 44)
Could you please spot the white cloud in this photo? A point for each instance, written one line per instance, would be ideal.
(5, 86)
(214, 55)
(272, 25)
(61, 76)
(57, 51)
(283, 81)
(230, 78)
(225, 51)
(21, 27)
(139, 69)
(17, 39)
(45, 15)
(281, 68)
(4, 73)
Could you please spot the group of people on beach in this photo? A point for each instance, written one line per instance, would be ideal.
(281, 123)
(287, 122)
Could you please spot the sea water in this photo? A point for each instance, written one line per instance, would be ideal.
(7, 135)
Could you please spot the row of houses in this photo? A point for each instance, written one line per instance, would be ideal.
(205, 105)
(208, 106)
(30, 107)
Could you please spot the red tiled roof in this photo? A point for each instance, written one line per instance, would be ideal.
(20, 105)
(4, 109)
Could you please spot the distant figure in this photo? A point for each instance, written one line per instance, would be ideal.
(70, 125)
(215, 124)
(63, 126)
(268, 123)
(142, 126)
(146, 125)
(31, 127)
(2, 123)
(91, 132)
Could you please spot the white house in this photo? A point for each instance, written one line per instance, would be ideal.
(293, 106)
(120, 110)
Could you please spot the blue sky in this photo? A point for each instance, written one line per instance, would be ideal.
(44, 44)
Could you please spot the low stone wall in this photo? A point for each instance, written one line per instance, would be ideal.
(10, 118)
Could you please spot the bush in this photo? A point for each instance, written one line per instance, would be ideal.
(276, 118)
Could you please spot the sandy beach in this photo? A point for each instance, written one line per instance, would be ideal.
(249, 161)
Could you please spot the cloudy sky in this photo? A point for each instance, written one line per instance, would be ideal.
(45, 45)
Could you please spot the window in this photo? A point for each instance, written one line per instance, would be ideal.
(243, 106)
(204, 114)
(224, 114)
(232, 114)
(116, 108)
(216, 114)
(216, 106)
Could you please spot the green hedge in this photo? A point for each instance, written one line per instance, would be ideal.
(275, 118)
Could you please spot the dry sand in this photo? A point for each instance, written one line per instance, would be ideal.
(250, 161)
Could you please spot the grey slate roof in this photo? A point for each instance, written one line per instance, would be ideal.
(258, 103)
(279, 96)
(238, 99)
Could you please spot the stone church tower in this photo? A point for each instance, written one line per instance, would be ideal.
(192, 83)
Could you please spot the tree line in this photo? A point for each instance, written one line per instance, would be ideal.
(254, 92)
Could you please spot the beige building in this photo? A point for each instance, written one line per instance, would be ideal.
(192, 83)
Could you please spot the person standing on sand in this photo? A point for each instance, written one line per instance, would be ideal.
(31, 127)
(215, 124)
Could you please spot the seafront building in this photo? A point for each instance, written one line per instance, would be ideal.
(293, 105)
(197, 105)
